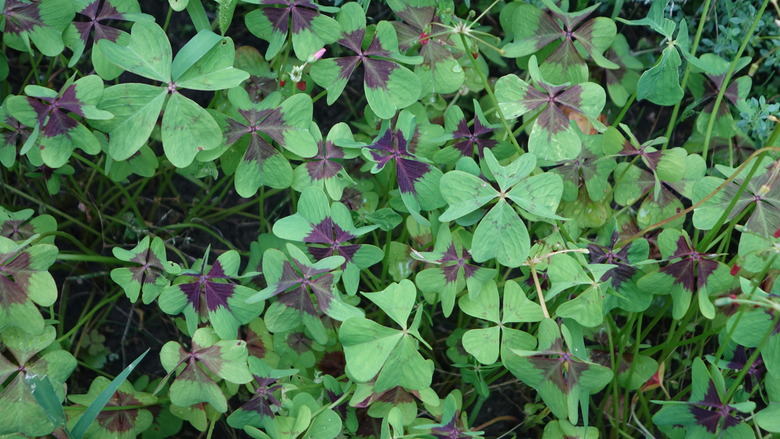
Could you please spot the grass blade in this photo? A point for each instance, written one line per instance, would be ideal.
(47, 398)
(97, 405)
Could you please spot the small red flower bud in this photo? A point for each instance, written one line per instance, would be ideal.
(281, 83)
(777, 233)
(735, 269)
(475, 54)
(301, 85)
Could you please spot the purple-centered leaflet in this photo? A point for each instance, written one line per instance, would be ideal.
(388, 86)
(212, 295)
(418, 181)
(553, 136)
(255, 125)
(452, 272)
(56, 119)
(328, 230)
(293, 280)
(225, 359)
(275, 19)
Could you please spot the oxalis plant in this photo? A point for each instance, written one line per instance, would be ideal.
(280, 219)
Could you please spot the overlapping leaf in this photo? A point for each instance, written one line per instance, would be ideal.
(148, 277)
(293, 279)
(706, 413)
(440, 71)
(326, 169)
(533, 29)
(41, 22)
(310, 30)
(98, 16)
(212, 295)
(552, 135)
(210, 357)
(57, 133)
(691, 272)
(452, 272)
(562, 379)
(255, 125)
(418, 181)
(327, 229)
(204, 63)
(388, 86)
(21, 413)
(121, 419)
(25, 283)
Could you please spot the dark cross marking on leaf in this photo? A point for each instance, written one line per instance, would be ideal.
(560, 367)
(329, 233)
(255, 344)
(452, 262)
(119, 420)
(756, 370)
(53, 112)
(556, 98)
(298, 342)
(269, 122)
(376, 72)
(14, 283)
(303, 12)
(95, 15)
(466, 138)
(651, 158)
(711, 410)
(21, 17)
(579, 170)
(693, 267)
(263, 398)
(607, 255)
(549, 31)
(149, 268)
(393, 146)
(206, 292)
(321, 166)
(417, 28)
(712, 86)
(18, 133)
(296, 283)
(453, 429)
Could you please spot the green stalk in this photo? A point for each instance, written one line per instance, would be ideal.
(489, 91)
(696, 39)
(727, 79)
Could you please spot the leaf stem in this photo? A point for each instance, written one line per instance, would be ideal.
(727, 79)
(489, 91)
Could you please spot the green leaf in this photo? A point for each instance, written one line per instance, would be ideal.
(136, 108)
(148, 53)
(187, 129)
(661, 83)
(501, 234)
(97, 405)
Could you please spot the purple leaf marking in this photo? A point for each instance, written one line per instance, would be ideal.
(52, 114)
(393, 146)
(303, 12)
(21, 17)
(607, 255)
(709, 412)
(296, 283)
(321, 167)
(213, 294)
(96, 14)
(691, 264)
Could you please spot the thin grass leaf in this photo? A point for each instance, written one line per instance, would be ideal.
(46, 396)
(94, 409)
